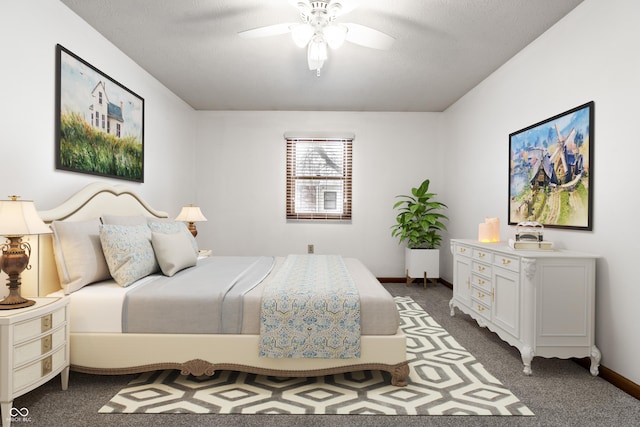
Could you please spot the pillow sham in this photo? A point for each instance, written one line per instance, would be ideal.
(171, 227)
(174, 252)
(78, 254)
(128, 252)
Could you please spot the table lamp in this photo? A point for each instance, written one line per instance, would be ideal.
(191, 214)
(17, 218)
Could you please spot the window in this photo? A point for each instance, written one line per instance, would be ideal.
(319, 178)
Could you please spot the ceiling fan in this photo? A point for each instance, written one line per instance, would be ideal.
(319, 29)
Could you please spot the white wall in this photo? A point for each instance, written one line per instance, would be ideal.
(241, 182)
(590, 55)
(29, 32)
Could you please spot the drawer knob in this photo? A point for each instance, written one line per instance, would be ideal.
(46, 365)
(480, 268)
(481, 254)
(506, 261)
(463, 250)
(47, 344)
(47, 322)
(480, 308)
(481, 295)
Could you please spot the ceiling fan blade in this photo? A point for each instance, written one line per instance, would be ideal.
(368, 37)
(269, 30)
(346, 6)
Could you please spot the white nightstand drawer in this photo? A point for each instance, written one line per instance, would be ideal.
(40, 325)
(33, 372)
(34, 349)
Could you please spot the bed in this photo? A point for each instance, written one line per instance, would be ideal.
(99, 346)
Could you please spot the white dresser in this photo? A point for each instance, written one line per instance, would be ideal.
(34, 347)
(541, 302)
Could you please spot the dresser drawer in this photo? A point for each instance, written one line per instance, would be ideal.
(481, 282)
(33, 349)
(35, 371)
(481, 268)
(32, 328)
(463, 250)
(480, 308)
(482, 296)
(482, 255)
(506, 262)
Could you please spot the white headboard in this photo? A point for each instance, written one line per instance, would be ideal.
(92, 201)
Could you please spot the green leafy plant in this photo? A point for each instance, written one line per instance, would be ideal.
(419, 220)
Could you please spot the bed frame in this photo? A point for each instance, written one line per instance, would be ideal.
(196, 354)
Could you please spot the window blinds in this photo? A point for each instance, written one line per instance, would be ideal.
(319, 178)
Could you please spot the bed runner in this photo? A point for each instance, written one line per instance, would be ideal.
(310, 309)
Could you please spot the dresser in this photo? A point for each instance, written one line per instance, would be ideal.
(541, 302)
(34, 347)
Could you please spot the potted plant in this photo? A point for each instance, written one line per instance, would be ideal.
(419, 223)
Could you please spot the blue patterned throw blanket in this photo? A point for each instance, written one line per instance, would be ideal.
(311, 309)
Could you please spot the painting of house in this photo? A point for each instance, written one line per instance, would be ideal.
(105, 116)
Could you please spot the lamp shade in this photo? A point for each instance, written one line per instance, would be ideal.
(190, 214)
(19, 218)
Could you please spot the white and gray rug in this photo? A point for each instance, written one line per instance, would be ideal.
(445, 379)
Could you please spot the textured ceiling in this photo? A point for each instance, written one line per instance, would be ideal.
(443, 48)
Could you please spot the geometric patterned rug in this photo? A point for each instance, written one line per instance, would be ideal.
(444, 379)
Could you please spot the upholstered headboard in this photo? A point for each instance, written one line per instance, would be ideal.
(93, 201)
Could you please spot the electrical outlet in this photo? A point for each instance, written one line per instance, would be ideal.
(309, 249)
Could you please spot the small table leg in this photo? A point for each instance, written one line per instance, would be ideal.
(6, 413)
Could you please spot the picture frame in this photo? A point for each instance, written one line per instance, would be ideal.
(99, 122)
(551, 171)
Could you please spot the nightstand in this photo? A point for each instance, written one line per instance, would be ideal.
(34, 347)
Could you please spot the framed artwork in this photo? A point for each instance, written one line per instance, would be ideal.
(99, 122)
(551, 171)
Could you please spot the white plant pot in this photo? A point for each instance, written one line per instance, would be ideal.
(419, 261)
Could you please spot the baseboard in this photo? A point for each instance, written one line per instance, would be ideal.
(613, 377)
(606, 374)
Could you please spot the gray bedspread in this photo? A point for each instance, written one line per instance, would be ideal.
(207, 299)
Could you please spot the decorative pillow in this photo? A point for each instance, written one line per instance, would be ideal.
(174, 252)
(128, 251)
(170, 227)
(124, 219)
(78, 253)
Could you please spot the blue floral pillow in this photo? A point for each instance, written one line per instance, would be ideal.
(128, 251)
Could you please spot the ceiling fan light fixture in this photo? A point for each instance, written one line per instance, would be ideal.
(316, 55)
(302, 34)
(335, 35)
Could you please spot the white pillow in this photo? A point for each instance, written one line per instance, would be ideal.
(174, 252)
(170, 227)
(128, 251)
(78, 254)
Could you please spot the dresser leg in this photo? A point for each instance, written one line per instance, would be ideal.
(595, 361)
(64, 378)
(527, 357)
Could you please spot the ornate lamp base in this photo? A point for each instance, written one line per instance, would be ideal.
(9, 305)
(14, 260)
